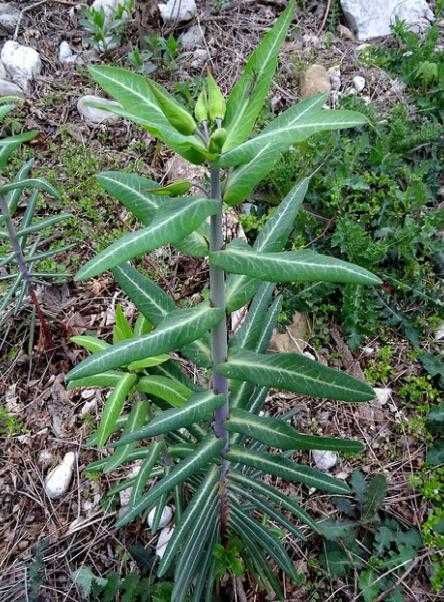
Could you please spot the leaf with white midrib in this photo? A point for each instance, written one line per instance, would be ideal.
(295, 372)
(273, 237)
(208, 449)
(277, 433)
(170, 225)
(113, 407)
(179, 329)
(289, 266)
(198, 408)
(282, 467)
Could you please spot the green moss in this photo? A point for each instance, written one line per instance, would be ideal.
(10, 425)
(380, 369)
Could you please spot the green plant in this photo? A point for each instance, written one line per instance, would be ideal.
(375, 546)
(373, 200)
(106, 27)
(211, 449)
(22, 255)
(156, 51)
(418, 60)
(9, 425)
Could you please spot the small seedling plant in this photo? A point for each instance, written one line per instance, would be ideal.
(23, 238)
(209, 451)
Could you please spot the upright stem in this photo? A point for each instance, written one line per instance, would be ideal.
(219, 341)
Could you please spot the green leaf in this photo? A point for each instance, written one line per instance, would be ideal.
(199, 407)
(148, 362)
(10, 144)
(167, 389)
(33, 183)
(277, 433)
(90, 343)
(265, 506)
(198, 506)
(374, 497)
(264, 538)
(294, 125)
(122, 329)
(135, 420)
(133, 191)
(286, 469)
(139, 104)
(435, 420)
(176, 188)
(242, 180)
(171, 225)
(275, 496)
(289, 266)
(148, 297)
(13, 198)
(208, 449)
(176, 114)
(216, 100)
(113, 407)
(294, 372)
(250, 330)
(247, 97)
(273, 237)
(181, 327)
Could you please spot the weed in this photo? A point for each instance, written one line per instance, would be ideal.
(10, 425)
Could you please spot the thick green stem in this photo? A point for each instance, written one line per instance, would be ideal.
(219, 342)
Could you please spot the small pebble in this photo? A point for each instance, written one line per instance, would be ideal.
(324, 459)
(165, 519)
(359, 83)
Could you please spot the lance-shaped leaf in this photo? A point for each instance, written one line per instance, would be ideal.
(139, 104)
(144, 473)
(294, 125)
(273, 494)
(90, 343)
(272, 237)
(198, 408)
(264, 538)
(10, 144)
(268, 509)
(176, 114)
(208, 449)
(248, 94)
(170, 390)
(13, 198)
(289, 266)
(137, 417)
(140, 196)
(114, 406)
(180, 328)
(156, 305)
(198, 506)
(249, 332)
(277, 433)
(241, 181)
(42, 224)
(170, 225)
(241, 392)
(34, 183)
(297, 373)
(286, 469)
(202, 532)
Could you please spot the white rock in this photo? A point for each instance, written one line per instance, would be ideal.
(368, 351)
(192, 38)
(310, 355)
(374, 19)
(9, 15)
(88, 407)
(21, 62)
(164, 537)
(439, 333)
(93, 115)
(200, 56)
(174, 11)
(3, 73)
(382, 394)
(65, 51)
(324, 459)
(59, 478)
(165, 519)
(8, 88)
(45, 458)
(359, 83)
